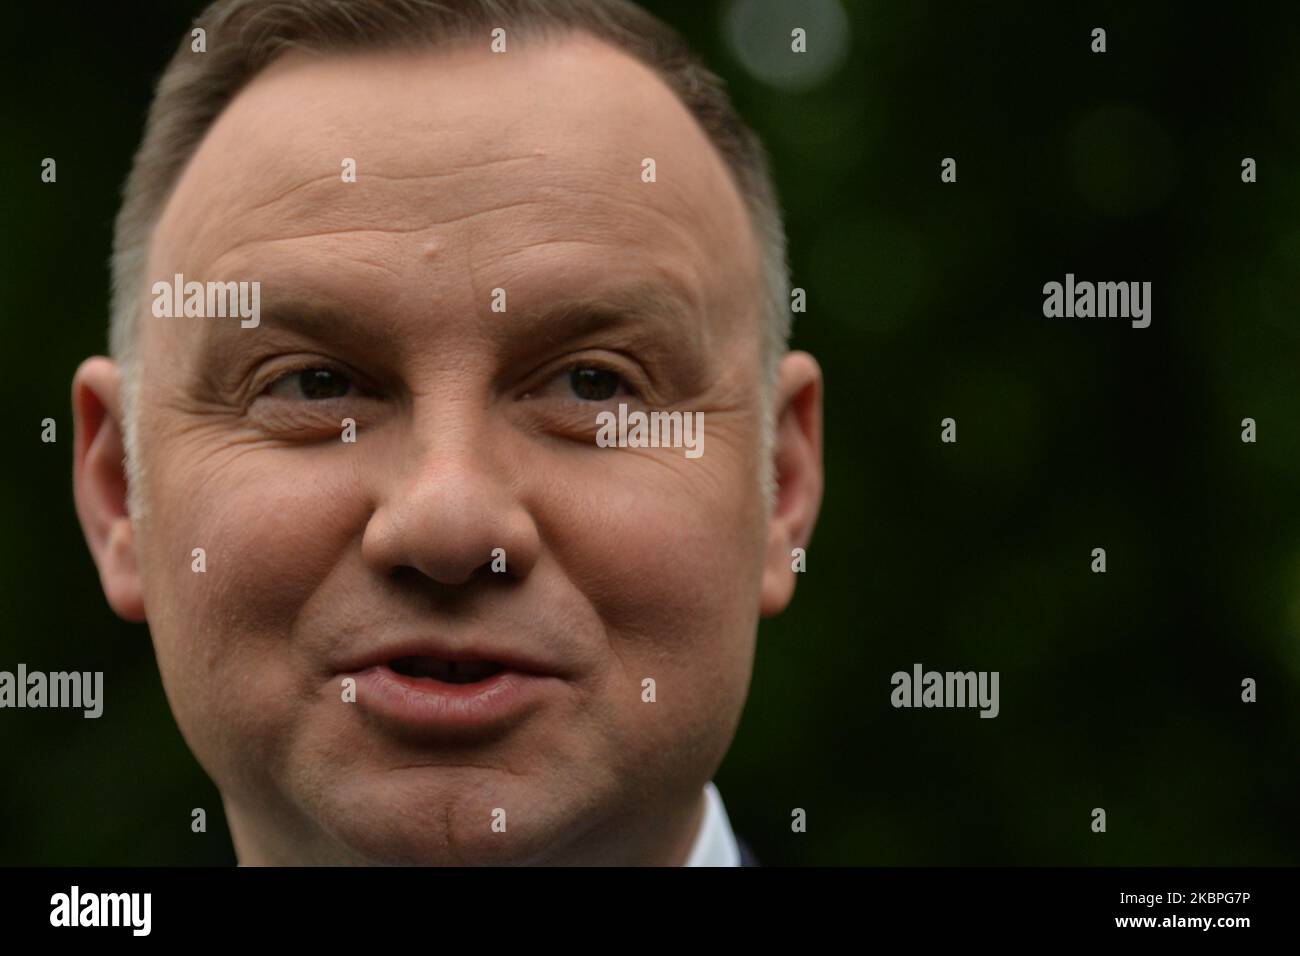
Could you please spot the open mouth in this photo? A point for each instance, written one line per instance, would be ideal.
(449, 672)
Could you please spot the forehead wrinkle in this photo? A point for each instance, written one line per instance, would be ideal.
(593, 182)
(352, 115)
(278, 197)
(334, 179)
(356, 211)
(343, 233)
(398, 230)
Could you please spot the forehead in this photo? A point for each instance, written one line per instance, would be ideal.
(523, 168)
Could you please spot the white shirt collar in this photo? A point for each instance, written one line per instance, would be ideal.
(715, 844)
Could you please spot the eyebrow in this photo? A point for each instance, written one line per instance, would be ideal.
(302, 311)
(637, 304)
(651, 317)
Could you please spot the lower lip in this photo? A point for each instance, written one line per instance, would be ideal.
(422, 704)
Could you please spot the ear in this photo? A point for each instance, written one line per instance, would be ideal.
(797, 465)
(99, 484)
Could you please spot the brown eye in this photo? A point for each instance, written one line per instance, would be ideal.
(312, 384)
(594, 384)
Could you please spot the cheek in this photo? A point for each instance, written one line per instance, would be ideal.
(669, 556)
(273, 529)
(672, 541)
(272, 525)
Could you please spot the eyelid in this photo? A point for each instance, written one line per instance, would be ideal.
(604, 367)
(630, 381)
(304, 365)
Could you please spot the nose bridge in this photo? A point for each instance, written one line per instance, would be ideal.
(447, 500)
(448, 432)
(450, 471)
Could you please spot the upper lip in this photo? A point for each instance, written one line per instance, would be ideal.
(510, 658)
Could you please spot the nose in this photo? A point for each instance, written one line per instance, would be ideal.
(446, 507)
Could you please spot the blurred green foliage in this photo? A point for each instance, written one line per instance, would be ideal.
(924, 301)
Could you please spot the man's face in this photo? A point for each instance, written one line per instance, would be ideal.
(475, 430)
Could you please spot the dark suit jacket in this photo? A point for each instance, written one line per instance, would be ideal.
(747, 857)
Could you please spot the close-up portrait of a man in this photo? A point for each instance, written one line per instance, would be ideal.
(450, 445)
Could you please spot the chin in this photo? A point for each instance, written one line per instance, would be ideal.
(440, 818)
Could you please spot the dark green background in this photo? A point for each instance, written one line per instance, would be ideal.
(1119, 690)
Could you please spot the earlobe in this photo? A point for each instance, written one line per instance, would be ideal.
(797, 464)
(99, 484)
